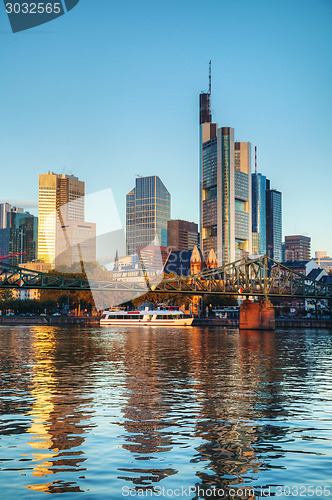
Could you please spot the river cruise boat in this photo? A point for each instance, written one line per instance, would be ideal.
(148, 317)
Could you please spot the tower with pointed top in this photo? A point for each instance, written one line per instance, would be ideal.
(195, 261)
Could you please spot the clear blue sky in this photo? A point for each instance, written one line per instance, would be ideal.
(110, 90)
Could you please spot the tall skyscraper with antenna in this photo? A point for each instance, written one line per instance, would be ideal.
(225, 188)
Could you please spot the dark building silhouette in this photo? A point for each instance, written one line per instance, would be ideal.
(273, 223)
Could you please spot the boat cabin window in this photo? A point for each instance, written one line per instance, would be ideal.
(167, 316)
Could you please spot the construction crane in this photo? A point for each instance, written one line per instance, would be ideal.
(11, 255)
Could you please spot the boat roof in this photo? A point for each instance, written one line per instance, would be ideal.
(149, 311)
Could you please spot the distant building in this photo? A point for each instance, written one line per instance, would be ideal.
(37, 265)
(151, 257)
(273, 223)
(312, 271)
(4, 209)
(297, 247)
(61, 199)
(181, 234)
(323, 261)
(258, 185)
(19, 235)
(76, 243)
(148, 208)
(304, 267)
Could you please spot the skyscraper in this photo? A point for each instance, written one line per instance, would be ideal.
(19, 235)
(148, 208)
(181, 234)
(4, 209)
(258, 184)
(273, 223)
(297, 247)
(61, 198)
(225, 189)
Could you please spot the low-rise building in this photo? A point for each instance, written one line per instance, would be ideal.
(323, 261)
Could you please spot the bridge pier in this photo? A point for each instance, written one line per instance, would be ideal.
(257, 315)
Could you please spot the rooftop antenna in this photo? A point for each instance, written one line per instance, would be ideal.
(210, 79)
(255, 159)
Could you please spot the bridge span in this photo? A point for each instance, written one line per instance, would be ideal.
(258, 277)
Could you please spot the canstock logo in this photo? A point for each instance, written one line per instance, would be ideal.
(24, 14)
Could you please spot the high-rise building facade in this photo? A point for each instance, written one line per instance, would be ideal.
(225, 190)
(273, 223)
(148, 208)
(61, 198)
(258, 184)
(4, 209)
(242, 199)
(19, 235)
(297, 247)
(181, 234)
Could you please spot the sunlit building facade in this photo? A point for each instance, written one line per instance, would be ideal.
(61, 198)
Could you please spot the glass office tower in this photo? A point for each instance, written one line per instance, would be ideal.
(273, 223)
(225, 190)
(20, 235)
(258, 184)
(148, 208)
(209, 196)
(242, 199)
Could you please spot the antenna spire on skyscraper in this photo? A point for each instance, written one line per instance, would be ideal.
(255, 159)
(210, 79)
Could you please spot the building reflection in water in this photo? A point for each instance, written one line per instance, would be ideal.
(144, 413)
(234, 384)
(221, 383)
(56, 431)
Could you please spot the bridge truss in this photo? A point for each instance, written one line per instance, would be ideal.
(259, 276)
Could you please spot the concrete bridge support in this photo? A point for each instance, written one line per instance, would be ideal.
(257, 315)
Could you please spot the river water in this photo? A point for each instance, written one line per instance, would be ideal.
(112, 413)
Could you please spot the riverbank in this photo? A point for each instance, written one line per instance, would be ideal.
(280, 323)
(49, 320)
(216, 322)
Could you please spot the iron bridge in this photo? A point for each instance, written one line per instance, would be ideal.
(259, 276)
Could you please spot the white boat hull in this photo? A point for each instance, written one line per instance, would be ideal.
(141, 322)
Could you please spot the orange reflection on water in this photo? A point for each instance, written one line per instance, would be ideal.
(44, 382)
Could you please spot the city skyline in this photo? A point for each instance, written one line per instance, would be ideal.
(271, 93)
